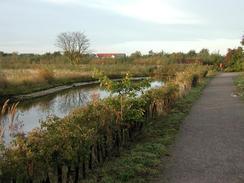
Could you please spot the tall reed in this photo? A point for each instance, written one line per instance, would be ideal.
(8, 120)
(3, 111)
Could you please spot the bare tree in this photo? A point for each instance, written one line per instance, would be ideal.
(74, 45)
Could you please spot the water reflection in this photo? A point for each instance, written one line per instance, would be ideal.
(60, 104)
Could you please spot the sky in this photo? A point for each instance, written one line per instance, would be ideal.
(125, 26)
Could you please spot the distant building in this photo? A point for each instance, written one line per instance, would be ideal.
(110, 55)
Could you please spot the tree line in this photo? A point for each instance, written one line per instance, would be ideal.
(74, 48)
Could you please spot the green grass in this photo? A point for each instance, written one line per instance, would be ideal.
(141, 160)
(239, 82)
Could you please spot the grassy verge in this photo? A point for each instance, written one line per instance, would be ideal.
(141, 161)
(239, 82)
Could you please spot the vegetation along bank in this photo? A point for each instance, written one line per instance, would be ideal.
(73, 148)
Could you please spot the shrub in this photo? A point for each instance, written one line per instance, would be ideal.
(3, 80)
(45, 74)
(195, 79)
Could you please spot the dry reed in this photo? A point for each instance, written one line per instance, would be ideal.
(14, 126)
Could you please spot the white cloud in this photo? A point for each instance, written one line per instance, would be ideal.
(156, 11)
(213, 45)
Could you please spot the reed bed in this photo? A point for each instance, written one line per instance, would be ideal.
(19, 81)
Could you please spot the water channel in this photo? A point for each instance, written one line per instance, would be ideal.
(30, 113)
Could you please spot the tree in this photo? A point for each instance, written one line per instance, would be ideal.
(151, 53)
(192, 53)
(215, 59)
(204, 52)
(74, 45)
(177, 57)
(1, 53)
(234, 59)
(136, 54)
(162, 53)
(242, 41)
(204, 56)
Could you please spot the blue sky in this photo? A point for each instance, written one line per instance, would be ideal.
(122, 25)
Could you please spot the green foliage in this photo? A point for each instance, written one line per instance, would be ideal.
(136, 54)
(234, 60)
(125, 87)
(192, 53)
(239, 82)
(143, 160)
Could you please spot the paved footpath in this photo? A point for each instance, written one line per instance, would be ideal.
(210, 145)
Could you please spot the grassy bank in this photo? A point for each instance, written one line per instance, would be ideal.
(141, 161)
(22, 81)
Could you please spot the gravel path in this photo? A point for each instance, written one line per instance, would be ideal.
(210, 145)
